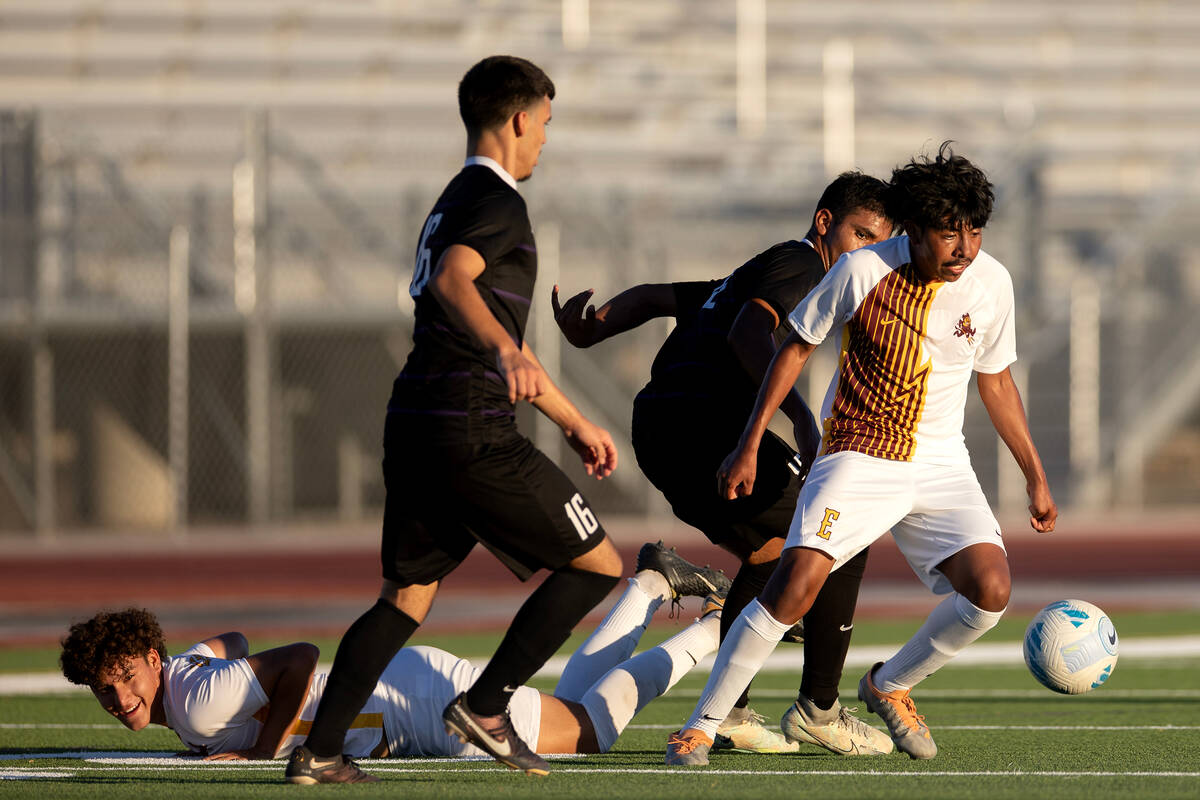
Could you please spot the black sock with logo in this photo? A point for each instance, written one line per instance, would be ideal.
(827, 629)
(538, 630)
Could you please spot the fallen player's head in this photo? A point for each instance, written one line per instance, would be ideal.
(118, 655)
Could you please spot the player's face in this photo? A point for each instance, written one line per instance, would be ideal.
(943, 254)
(530, 144)
(129, 691)
(859, 228)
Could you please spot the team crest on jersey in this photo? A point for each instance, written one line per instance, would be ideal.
(963, 328)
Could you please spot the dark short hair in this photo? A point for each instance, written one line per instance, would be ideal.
(946, 191)
(109, 639)
(851, 191)
(498, 87)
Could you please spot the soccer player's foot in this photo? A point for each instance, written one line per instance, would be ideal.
(494, 736)
(908, 728)
(743, 729)
(306, 769)
(685, 578)
(836, 729)
(688, 748)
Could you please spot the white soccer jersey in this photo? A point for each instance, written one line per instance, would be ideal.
(908, 350)
(217, 705)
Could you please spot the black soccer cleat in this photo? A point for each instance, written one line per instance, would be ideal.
(304, 768)
(685, 578)
(795, 633)
(500, 741)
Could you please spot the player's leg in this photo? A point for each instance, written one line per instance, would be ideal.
(529, 514)
(846, 503)
(953, 543)
(625, 690)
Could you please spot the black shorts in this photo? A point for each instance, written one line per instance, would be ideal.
(680, 453)
(442, 498)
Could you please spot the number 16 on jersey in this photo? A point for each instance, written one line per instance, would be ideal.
(424, 256)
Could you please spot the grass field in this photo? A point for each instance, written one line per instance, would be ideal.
(999, 734)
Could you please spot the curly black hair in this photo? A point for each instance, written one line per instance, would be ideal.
(498, 87)
(946, 191)
(851, 191)
(111, 638)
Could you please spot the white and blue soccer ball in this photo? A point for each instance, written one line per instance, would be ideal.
(1071, 647)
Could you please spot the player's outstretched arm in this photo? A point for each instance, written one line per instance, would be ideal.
(593, 443)
(1003, 403)
(453, 285)
(285, 674)
(735, 478)
(752, 342)
(583, 325)
(231, 645)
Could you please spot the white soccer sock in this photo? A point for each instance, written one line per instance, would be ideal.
(614, 700)
(751, 639)
(613, 641)
(954, 624)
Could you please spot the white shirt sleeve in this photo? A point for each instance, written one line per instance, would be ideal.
(829, 305)
(213, 695)
(999, 346)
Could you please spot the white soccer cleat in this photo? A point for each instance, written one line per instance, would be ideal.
(836, 730)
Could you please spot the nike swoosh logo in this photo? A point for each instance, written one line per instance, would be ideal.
(883, 323)
(710, 719)
(845, 627)
(692, 657)
(1112, 638)
(706, 582)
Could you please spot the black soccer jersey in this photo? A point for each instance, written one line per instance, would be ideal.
(450, 387)
(696, 363)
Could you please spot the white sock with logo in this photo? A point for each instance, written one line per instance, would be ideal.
(954, 624)
(749, 642)
(614, 639)
(614, 700)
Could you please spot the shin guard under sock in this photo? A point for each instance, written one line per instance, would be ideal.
(748, 584)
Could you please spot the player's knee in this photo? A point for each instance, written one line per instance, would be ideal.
(603, 559)
(991, 591)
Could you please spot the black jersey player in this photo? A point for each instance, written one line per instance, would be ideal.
(702, 386)
(455, 467)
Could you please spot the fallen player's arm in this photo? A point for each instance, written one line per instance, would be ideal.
(285, 674)
(230, 646)
(583, 325)
(1003, 403)
(752, 342)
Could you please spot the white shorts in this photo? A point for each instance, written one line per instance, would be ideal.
(417, 686)
(933, 511)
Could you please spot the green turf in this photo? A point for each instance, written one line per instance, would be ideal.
(1116, 741)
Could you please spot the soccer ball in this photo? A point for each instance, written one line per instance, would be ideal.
(1071, 646)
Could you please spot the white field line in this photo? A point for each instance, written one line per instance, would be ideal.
(782, 660)
(377, 767)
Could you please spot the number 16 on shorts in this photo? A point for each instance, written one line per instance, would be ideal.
(581, 516)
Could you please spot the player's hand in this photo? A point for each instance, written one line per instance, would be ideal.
(237, 755)
(525, 379)
(576, 318)
(594, 446)
(735, 478)
(1042, 509)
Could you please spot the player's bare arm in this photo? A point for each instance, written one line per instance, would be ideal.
(231, 645)
(593, 443)
(453, 285)
(735, 478)
(1003, 403)
(583, 325)
(285, 674)
(750, 339)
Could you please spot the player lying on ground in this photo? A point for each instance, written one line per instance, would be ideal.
(227, 703)
(915, 317)
(689, 416)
